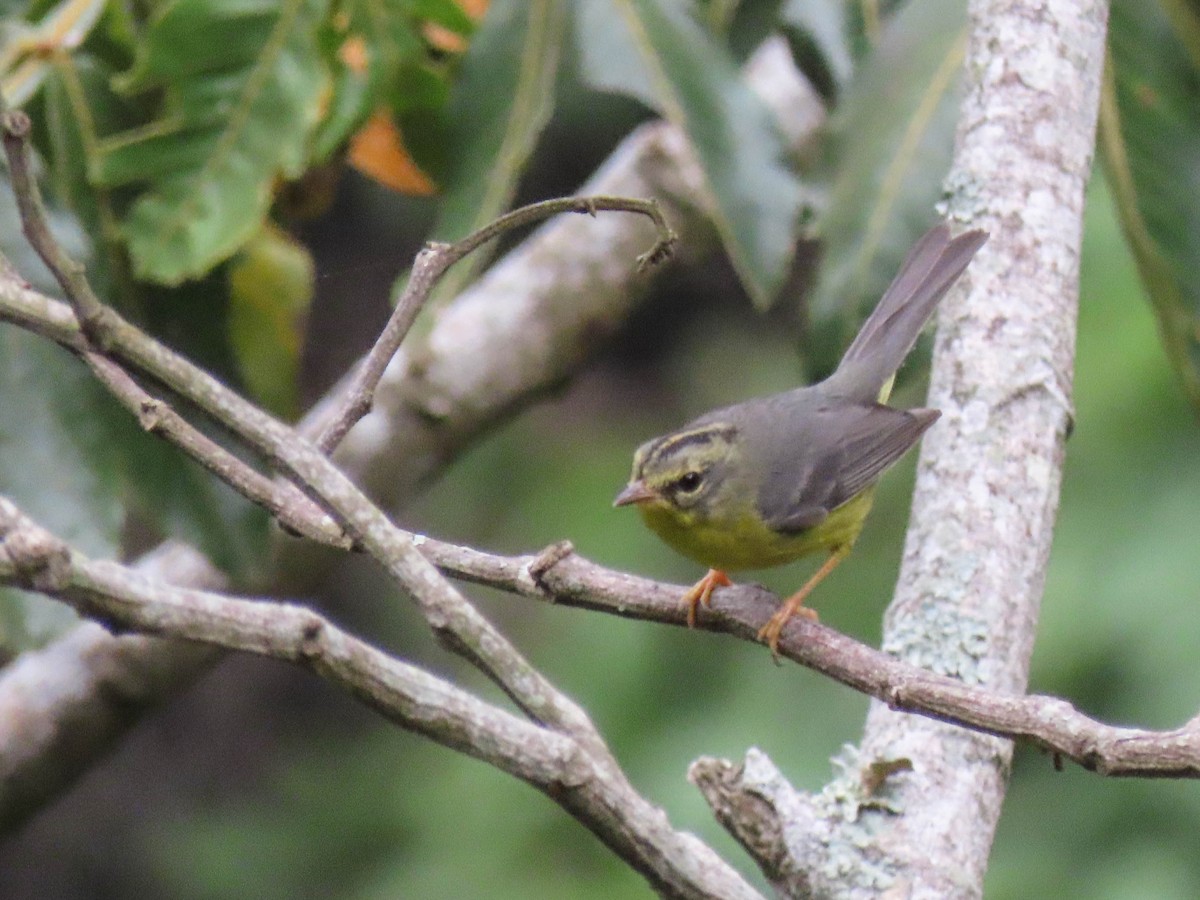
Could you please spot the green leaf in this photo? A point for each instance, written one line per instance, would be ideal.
(381, 38)
(609, 59)
(54, 462)
(888, 153)
(447, 13)
(270, 289)
(694, 82)
(823, 24)
(497, 110)
(1150, 143)
(242, 82)
(78, 105)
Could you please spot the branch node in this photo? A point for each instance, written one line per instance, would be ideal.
(16, 124)
(312, 634)
(895, 695)
(545, 561)
(151, 415)
(41, 561)
(663, 250)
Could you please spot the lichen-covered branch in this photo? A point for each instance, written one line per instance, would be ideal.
(988, 481)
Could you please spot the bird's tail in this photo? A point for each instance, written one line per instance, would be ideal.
(930, 268)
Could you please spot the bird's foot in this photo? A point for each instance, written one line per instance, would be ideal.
(701, 592)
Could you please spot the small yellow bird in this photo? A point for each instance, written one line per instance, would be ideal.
(764, 482)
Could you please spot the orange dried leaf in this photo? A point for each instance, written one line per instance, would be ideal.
(353, 53)
(447, 40)
(377, 150)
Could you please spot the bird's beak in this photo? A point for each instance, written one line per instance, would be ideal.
(634, 492)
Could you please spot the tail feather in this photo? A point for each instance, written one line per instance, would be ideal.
(933, 264)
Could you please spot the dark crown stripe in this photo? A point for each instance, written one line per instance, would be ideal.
(707, 434)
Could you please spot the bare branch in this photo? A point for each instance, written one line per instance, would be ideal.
(425, 419)
(288, 505)
(433, 262)
(92, 314)
(579, 775)
(98, 326)
(452, 618)
(558, 575)
(32, 558)
(42, 564)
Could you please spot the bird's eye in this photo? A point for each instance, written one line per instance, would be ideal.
(689, 482)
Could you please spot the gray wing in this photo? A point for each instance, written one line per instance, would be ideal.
(841, 449)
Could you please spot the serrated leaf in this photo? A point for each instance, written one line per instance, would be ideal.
(888, 152)
(497, 110)
(1150, 143)
(242, 81)
(270, 289)
(695, 83)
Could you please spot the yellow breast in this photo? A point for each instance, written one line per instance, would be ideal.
(742, 540)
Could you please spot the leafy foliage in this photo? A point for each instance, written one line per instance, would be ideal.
(241, 85)
(501, 103)
(887, 155)
(680, 70)
(1150, 138)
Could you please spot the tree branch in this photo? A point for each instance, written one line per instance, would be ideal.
(558, 575)
(429, 412)
(433, 262)
(576, 771)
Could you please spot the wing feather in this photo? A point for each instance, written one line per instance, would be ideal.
(847, 447)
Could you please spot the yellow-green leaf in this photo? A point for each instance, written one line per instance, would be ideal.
(270, 289)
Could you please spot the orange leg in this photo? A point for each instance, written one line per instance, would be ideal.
(701, 592)
(769, 633)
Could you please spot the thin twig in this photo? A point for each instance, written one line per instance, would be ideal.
(288, 505)
(34, 558)
(558, 575)
(433, 262)
(112, 681)
(98, 330)
(92, 314)
(451, 617)
(742, 610)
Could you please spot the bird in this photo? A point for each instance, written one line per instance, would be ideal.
(769, 480)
